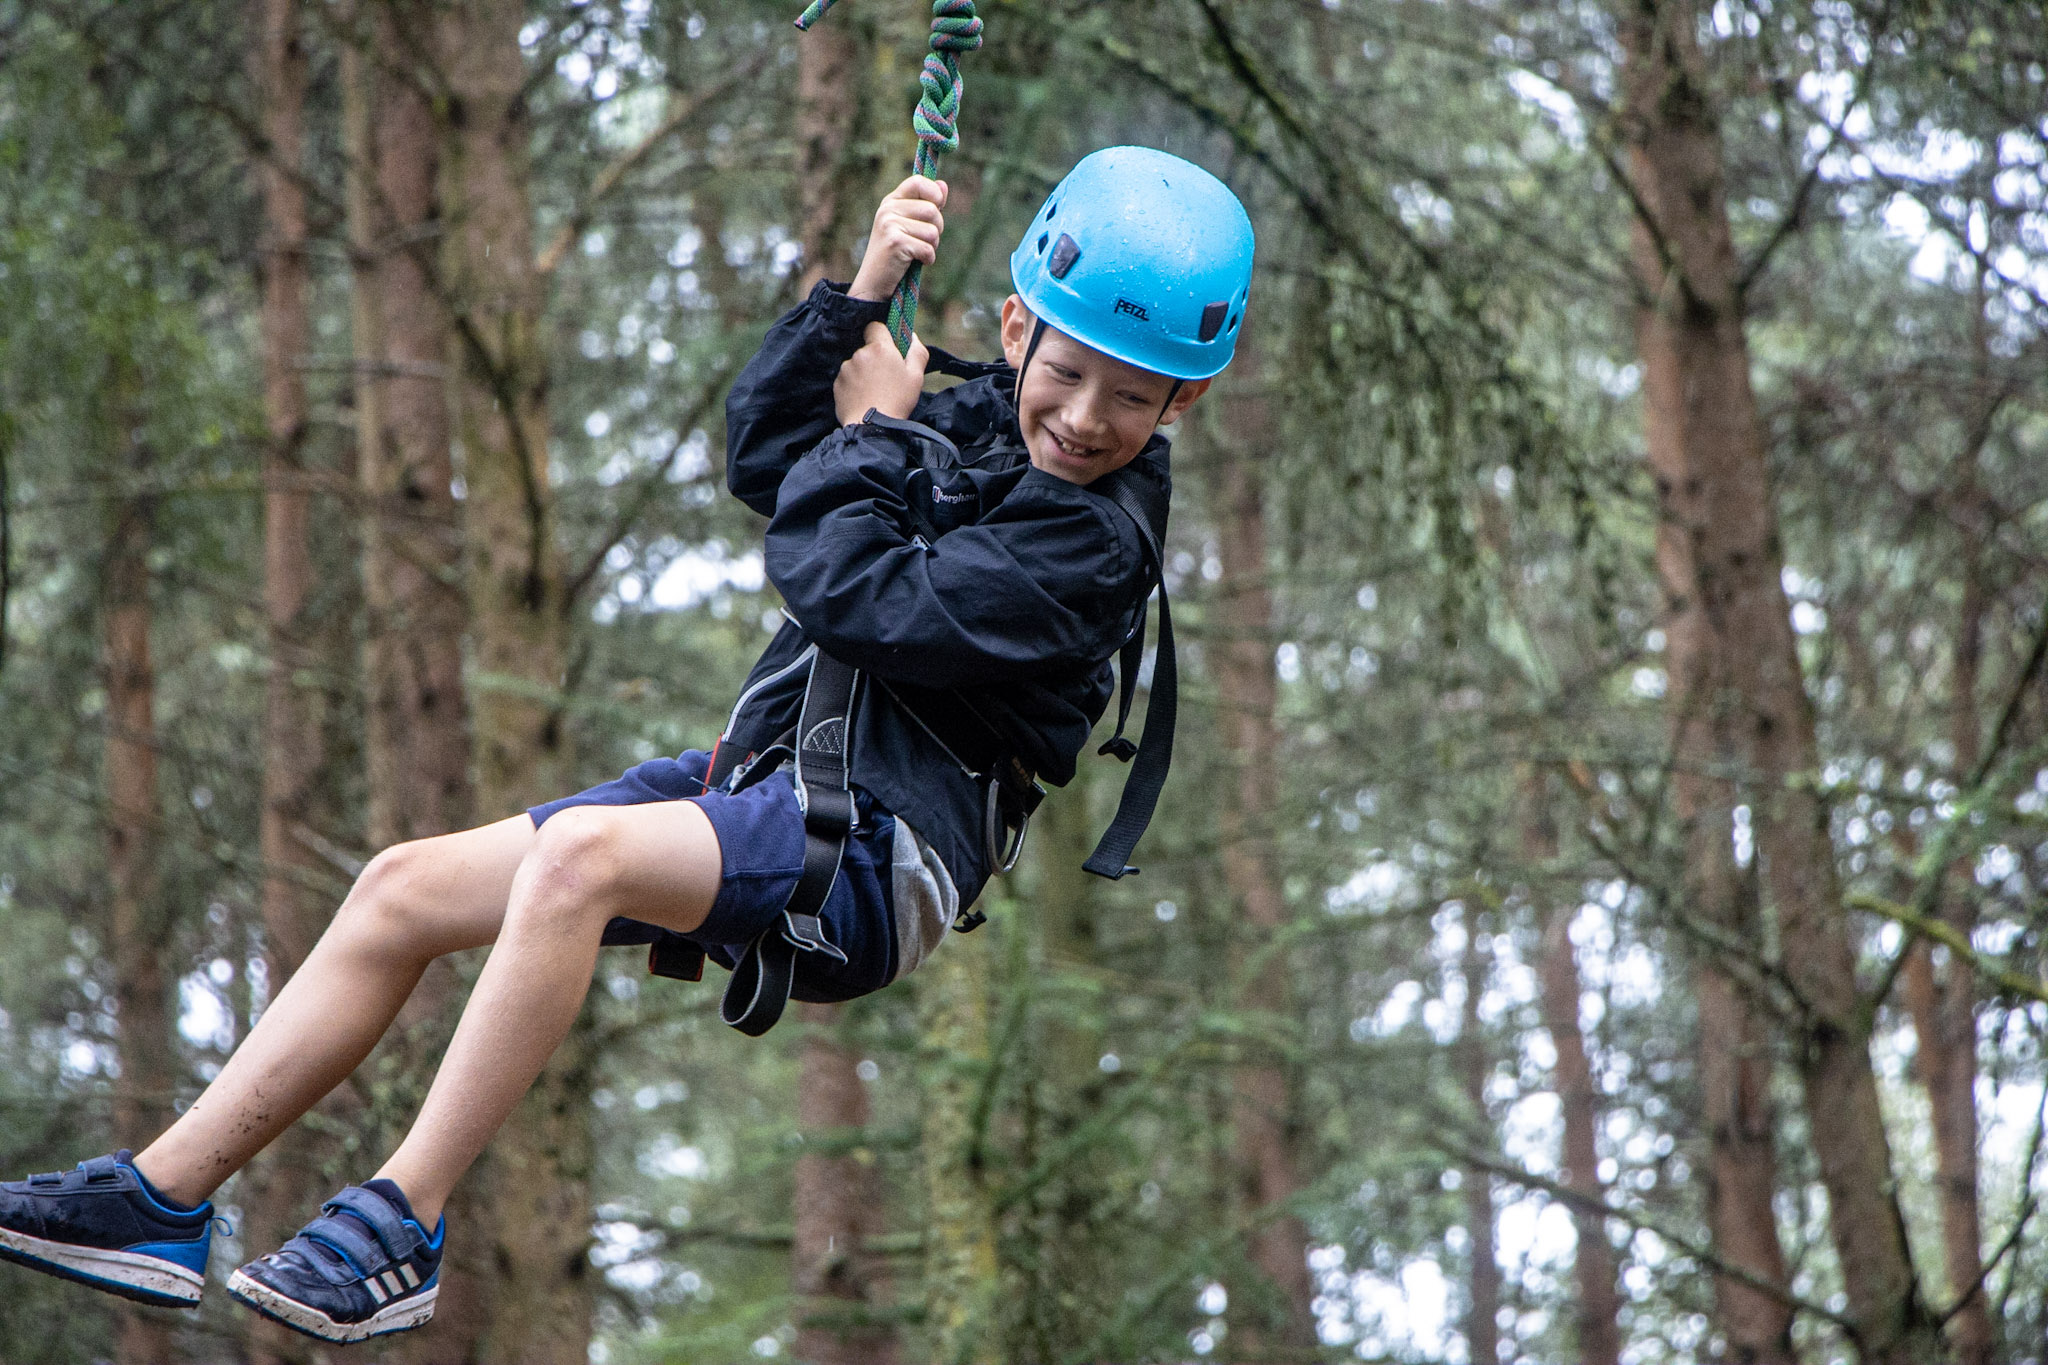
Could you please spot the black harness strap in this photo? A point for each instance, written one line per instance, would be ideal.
(761, 980)
(1129, 660)
(1154, 756)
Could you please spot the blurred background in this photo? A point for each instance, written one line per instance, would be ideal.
(1597, 913)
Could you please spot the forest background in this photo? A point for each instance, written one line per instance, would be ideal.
(1597, 913)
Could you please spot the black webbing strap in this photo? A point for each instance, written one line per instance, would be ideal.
(668, 954)
(1147, 777)
(938, 361)
(761, 980)
(1129, 660)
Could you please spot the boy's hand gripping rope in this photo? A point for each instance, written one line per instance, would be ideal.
(956, 28)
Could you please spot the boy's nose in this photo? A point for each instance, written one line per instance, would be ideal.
(1087, 419)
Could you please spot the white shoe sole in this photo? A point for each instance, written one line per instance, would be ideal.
(149, 1279)
(402, 1316)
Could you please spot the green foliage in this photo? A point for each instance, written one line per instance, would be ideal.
(1461, 562)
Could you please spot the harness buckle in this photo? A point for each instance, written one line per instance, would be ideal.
(806, 932)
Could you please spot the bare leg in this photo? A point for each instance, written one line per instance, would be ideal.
(659, 863)
(414, 902)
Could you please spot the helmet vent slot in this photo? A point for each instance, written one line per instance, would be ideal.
(1064, 253)
(1043, 238)
(1212, 320)
(1050, 210)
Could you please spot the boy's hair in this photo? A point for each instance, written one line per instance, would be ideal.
(1143, 256)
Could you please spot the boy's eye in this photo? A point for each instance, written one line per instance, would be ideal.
(1063, 374)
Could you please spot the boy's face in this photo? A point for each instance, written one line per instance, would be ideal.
(1085, 414)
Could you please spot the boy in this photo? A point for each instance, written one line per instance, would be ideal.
(956, 586)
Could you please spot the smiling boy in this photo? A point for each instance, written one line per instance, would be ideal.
(959, 569)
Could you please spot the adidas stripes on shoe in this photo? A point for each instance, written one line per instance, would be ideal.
(362, 1269)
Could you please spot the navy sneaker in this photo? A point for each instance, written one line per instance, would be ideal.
(363, 1268)
(102, 1224)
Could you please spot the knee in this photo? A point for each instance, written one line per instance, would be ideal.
(386, 904)
(575, 872)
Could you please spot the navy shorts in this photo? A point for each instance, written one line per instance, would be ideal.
(761, 844)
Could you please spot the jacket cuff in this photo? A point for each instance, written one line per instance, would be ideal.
(843, 317)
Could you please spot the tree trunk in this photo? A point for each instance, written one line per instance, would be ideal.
(837, 1203)
(839, 1285)
(1263, 1118)
(539, 1177)
(827, 104)
(1482, 1309)
(1720, 563)
(416, 738)
(1734, 1052)
(280, 1183)
(1599, 1304)
(138, 922)
(1944, 1006)
(960, 1235)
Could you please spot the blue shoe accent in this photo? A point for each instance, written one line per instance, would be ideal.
(191, 1255)
(363, 1268)
(101, 1224)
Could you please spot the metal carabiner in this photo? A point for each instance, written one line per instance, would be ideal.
(1004, 847)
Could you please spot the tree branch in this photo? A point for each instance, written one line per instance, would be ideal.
(1641, 1222)
(679, 114)
(2024, 1215)
(1795, 215)
(1952, 938)
(6, 535)
(1934, 863)
(649, 488)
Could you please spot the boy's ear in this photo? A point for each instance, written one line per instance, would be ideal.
(1017, 322)
(1185, 399)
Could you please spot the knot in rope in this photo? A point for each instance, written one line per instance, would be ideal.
(956, 28)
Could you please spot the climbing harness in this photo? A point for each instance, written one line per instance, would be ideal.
(956, 28)
(819, 750)
(761, 980)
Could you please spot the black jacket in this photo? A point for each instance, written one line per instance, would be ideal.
(983, 598)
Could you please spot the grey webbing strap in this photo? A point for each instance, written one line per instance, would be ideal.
(761, 980)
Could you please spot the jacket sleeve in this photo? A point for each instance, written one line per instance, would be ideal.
(1047, 579)
(781, 404)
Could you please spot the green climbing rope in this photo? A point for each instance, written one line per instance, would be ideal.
(956, 28)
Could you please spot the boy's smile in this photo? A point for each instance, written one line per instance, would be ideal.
(1084, 414)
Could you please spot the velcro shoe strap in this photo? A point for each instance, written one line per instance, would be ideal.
(100, 1170)
(399, 1237)
(339, 1237)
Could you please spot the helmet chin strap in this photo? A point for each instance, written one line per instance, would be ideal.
(1171, 394)
(1030, 350)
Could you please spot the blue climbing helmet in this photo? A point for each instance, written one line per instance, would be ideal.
(1143, 256)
